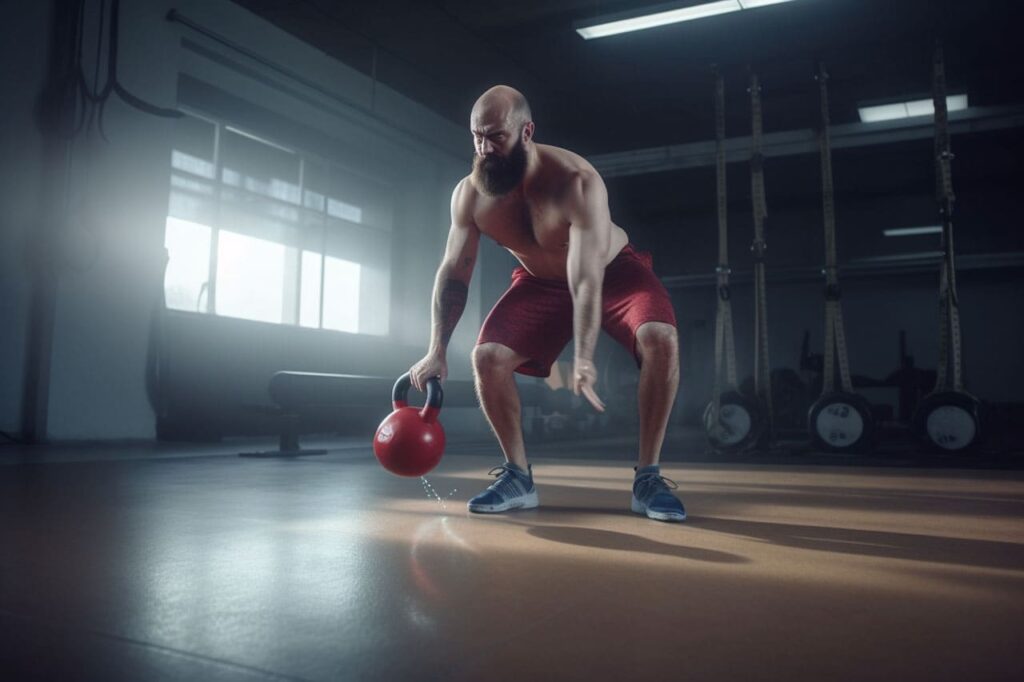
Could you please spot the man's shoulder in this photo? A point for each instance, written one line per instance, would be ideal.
(567, 174)
(464, 198)
(567, 164)
(464, 190)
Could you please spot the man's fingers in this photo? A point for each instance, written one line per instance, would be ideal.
(592, 397)
(582, 386)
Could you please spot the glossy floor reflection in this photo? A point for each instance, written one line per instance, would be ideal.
(199, 565)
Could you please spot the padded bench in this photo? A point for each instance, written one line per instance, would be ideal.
(297, 393)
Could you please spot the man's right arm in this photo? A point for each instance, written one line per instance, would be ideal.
(451, 285)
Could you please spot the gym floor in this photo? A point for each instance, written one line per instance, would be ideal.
(152, 563)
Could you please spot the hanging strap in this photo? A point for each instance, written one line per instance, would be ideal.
(762, 368)
(948, 372)
(835, 335)
(725, 349)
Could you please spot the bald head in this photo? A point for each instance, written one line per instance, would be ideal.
(501, 105)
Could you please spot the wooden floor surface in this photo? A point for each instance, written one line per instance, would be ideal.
(205, 566)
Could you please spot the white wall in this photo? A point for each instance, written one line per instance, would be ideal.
(112, 276)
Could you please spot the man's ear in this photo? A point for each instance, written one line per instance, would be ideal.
(527, 131)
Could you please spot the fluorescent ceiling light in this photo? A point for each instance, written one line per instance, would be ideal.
(911, 231)
(673, 16)
(619, 23)
(917, 107)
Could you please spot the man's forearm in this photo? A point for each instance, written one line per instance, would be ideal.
(450, 294)
(586, 314)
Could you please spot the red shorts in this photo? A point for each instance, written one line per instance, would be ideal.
(534, 317)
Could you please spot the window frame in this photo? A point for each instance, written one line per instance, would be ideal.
(206, 300)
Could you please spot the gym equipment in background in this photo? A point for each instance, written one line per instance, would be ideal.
(318, 401)
(410, 441)
(909, 383)
(762, 364)
(949, 419)
(840, 420)
(732, 422)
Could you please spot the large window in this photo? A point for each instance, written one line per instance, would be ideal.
(259, 231)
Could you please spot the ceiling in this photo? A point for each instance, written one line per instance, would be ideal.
(654, 87)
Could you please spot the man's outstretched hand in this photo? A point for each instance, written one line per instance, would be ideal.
(584, 378)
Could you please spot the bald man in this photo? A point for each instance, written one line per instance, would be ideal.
(549, 208)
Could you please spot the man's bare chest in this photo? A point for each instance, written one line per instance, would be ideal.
(524, 226)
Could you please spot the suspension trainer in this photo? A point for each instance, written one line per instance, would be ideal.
(731, 421)
(762, 366)
(949, 418)
(840, 420)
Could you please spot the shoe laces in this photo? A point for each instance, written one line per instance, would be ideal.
(656, 483)
(509, 480)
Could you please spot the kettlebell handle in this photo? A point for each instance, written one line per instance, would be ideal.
(435, 396)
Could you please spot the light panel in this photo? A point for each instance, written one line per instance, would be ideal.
(616, 24)
(912, 231)
(917, 107)
(674, 16)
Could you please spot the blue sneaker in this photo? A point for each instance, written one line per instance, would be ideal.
(513, 490)
(651, 496)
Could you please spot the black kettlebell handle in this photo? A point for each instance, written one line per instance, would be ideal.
(435, 396)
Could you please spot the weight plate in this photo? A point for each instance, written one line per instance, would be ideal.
(949, 421)
(840, 422)
(733, 425)
(739, 423)
(951, 427)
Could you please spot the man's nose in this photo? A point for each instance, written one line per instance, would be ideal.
(486, 147)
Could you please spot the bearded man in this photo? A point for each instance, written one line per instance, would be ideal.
(578, 274)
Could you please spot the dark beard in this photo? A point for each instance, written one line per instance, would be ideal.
(497, 175)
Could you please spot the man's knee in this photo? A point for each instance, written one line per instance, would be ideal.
(491, 359)
(657, 341)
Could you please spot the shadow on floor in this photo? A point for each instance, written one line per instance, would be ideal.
(606, 539)
(926, 548)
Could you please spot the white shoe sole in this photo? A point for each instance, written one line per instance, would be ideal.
(640, 508)
(528, 501)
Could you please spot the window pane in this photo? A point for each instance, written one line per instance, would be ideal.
(339, 209)
(341, 295)
(193, 190)
(250, 277)
(256, 216)
(259, 166)
(194, 146)
(372, 250)
(314, 183)
(358, 199)
(309, 305)
(188, 248)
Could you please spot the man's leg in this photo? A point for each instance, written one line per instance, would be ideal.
(658, 346)
(493, 367)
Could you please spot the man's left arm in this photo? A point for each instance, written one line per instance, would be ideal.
(589, 239)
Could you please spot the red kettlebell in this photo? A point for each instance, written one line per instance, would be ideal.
(410, 441)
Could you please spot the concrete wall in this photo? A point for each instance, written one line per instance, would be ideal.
(23, 58)
(110, 273)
